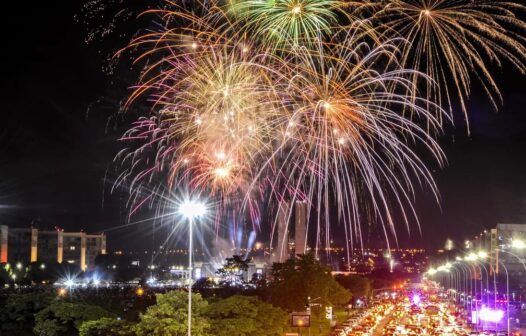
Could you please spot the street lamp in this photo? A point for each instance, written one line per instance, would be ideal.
(482, 255)
(191, 210)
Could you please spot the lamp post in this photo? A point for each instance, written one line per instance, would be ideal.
(191, 210)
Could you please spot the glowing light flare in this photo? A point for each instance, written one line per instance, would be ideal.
(222, 172)
(491, 315)
(296, 10)
(221, 156)
(192, 209)
(518, 244)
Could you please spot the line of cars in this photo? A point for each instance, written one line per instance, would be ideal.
(365, 322)
(414, 311)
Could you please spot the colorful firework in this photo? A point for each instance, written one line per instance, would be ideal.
(278, 22)
(271, 101)
(347, 142)
(454, 41)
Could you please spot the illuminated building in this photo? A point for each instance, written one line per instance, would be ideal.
(31, 245)
(502, 251)
(300, 228)
(281, 252)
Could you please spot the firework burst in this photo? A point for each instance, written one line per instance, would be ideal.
(347, 141)
(264, 101)
(278, 22)
(454, 41)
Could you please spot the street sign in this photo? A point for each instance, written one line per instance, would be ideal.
(328, 313)
(300, 320)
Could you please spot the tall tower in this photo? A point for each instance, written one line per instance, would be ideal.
(34, 244)
(3, 243)
(300, 228)
(281, 252)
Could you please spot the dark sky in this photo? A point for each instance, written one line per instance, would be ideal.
(55, 146)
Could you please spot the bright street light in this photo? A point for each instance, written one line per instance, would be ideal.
(482, 255)
(472, 257)
(192, 209)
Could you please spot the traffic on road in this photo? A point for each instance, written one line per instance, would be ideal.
(411, 309)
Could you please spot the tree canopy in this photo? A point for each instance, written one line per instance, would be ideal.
(232, 271)
(299, 278)
(245, 315)
(169, 316)
(17, 312)
(62, 318)
(106, 327)
(358, 285)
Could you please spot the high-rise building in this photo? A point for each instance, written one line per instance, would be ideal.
(503, 252)
(32, 245)
(300, 228)
(281, 252)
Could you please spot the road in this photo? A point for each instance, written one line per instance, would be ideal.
(417, 309)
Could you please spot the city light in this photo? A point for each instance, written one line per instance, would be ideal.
(482, 255)
(192, 209)
(491, 315)
(96, 281)
(472, 257)
(518, 244)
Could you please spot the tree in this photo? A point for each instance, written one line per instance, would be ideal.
(65, 318)
(358, 285)
(245, 315)
(106, 327)
(293, 281)
(232, 271)
(17, 312)
(169, 316)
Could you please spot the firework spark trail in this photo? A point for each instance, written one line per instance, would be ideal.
(272, 100)
(346, 135)
(455, 41)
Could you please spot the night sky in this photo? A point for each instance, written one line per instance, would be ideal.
(58, 138)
